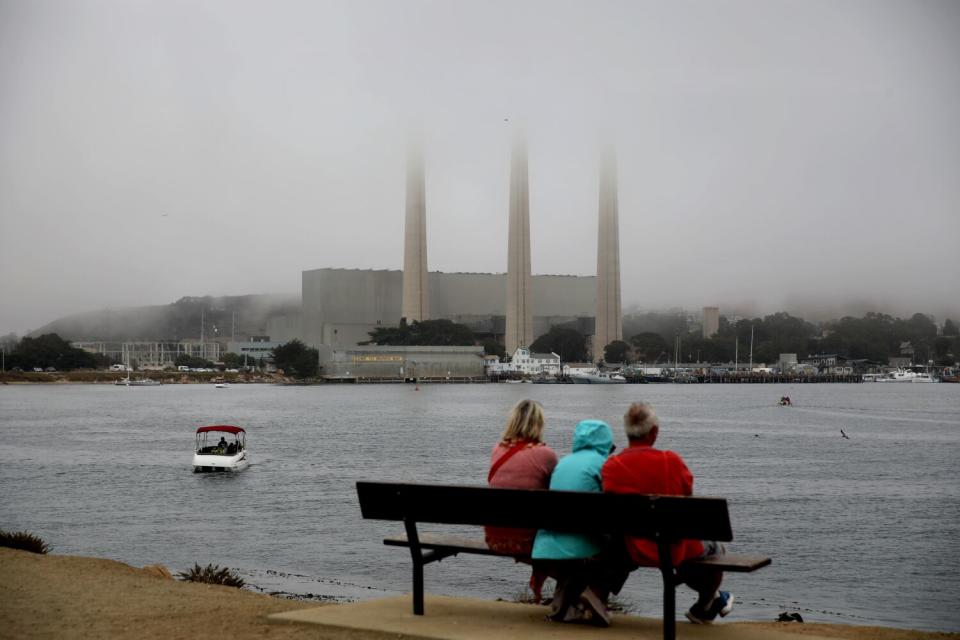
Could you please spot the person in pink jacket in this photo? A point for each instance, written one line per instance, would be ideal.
(521, 460)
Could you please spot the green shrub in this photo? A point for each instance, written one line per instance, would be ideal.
(23, 540)
(211, 574)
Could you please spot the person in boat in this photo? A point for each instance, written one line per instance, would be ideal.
(231, 448)
(222, 445)
(520, 460)
(641, 468)
(569, 557)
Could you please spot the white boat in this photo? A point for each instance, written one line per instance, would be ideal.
(597, 377)
(221, 385)
(907, 375)
(139, 382)
(223, 455)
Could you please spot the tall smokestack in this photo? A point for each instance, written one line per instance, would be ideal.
(609, 320)
(414, 305)
(519, 329)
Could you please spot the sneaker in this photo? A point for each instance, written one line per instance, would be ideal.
(721, 605)
(599, 615)
(725, 600)
(569, 614)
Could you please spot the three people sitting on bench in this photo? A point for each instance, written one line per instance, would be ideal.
(588, 570)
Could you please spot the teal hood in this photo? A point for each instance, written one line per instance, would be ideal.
(595, 435)
(579, 471)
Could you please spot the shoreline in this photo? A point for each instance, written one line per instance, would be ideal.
(44, 596)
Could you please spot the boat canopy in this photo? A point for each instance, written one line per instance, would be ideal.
(221, 427)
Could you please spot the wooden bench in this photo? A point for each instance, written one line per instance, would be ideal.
(664, 519)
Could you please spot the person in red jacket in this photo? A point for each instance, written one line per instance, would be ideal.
(641, 468)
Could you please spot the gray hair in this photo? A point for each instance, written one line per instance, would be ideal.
(639, 419)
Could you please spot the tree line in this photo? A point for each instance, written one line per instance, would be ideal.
(653, 340)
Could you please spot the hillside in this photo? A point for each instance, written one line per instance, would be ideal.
(222, 316)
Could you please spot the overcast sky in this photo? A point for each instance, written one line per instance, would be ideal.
(775, 153)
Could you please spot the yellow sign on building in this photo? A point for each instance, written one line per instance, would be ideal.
(378, 358)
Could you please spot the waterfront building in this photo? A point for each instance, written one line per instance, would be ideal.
(787, 362)
(254, 351)
(529, 363)
(398, 363)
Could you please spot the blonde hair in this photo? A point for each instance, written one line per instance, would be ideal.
(639, 419)
(525, 422)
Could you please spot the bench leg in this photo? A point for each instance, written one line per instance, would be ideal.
(416, 554)
(417, 588)
(669, 591)
(669, 608)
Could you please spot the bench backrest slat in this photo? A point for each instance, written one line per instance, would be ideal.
(670, 517)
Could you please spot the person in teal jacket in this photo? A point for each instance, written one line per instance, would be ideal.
(567, 554)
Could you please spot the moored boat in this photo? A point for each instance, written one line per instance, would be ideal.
(597, 377)
(139, 382)
(907, 375)
(223, 455)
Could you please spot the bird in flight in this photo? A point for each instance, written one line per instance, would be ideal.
(846, 437)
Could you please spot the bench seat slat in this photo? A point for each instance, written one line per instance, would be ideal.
(460, 545)
(734, 562)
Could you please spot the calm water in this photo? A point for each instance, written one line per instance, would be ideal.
(862, 531)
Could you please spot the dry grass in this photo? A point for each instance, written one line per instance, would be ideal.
(24, 541)
(211, 574)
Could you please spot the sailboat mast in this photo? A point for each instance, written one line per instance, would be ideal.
(751, 348)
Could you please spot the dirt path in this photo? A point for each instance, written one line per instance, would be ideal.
(75, 597)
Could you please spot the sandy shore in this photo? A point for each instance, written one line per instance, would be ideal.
(56, 596)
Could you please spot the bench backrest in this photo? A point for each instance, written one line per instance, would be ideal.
(643, 516)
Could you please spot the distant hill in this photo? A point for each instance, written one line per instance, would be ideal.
(177, 321)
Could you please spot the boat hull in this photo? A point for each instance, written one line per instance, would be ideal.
(203, 463)
(594, 379)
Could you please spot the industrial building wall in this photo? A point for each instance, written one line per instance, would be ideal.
(397, 363)
(572, 296)
(454, 294)
(284, 328)
(341, 305)
(350, 302)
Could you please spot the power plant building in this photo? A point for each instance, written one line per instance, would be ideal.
(341, 306)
